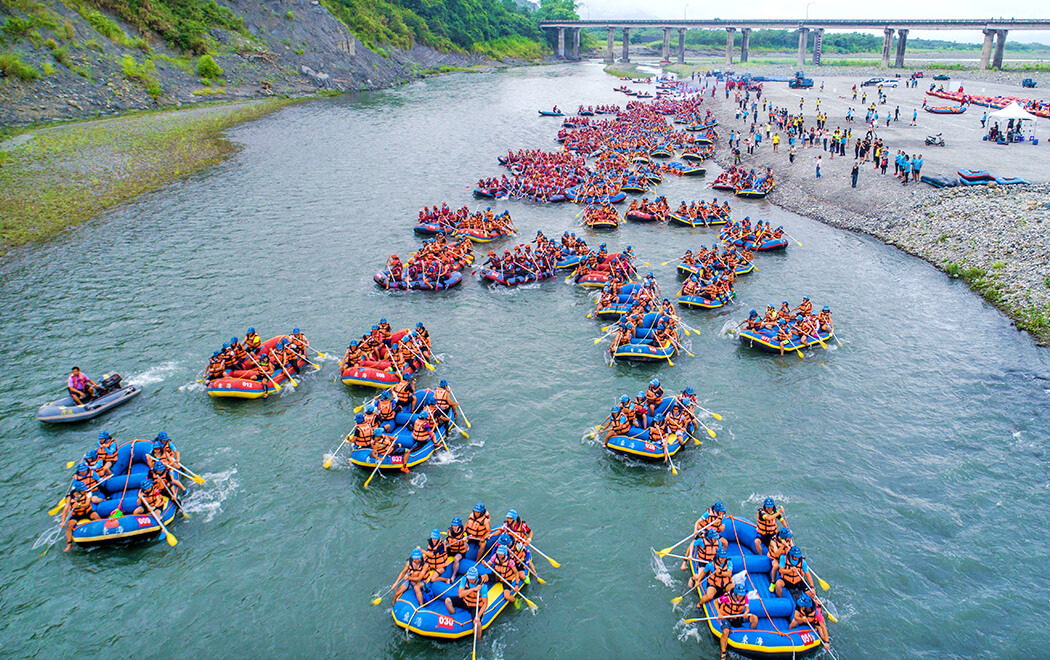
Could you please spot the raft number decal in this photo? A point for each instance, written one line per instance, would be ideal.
(650, 446)
(445, 622)
(806, 638)
(397, 459)
(144, 520)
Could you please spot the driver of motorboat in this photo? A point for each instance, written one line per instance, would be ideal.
(80, 387)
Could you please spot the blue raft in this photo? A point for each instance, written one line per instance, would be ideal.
(383, 279)
(498, 277)
(401, 429)
(685, 270)
(625, 299)
(636, 442)
(702, 302)
(641, 347)
(772, 638)
(118, 523)
(766, 340)
(433, 619)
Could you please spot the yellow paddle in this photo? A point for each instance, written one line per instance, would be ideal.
(667, 455)
(532, 605)
(276, 385)
(538, 551)
(831, 616)
(379, 598)
(327, 464)
(70, 464)
(168, 536)
(58, 508)
(465, 420)
(678, 599)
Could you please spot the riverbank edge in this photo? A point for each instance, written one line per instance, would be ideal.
(197, 143)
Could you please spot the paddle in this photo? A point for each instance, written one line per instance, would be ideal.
(532, 605)
(196, 478)
(327, 463)
(824, 607)
(713, 414)
(706, 618)
(793, 238)
(276, 385)
(168, 536)
(178, 505)
(697, 419)
(379, 598)
(474, 650)
(678, 599)
(321, 355)
(379, 463)
(362, 406)
(460, 406)
(287, 373)
(538, 551)
(304, 358)
(667, 551)
(680, 347)
(419, 354)
(667, 454)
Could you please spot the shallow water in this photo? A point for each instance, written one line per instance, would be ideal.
(911, 460)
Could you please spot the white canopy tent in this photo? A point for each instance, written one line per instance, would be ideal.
(1015, 115)
(1012, 111)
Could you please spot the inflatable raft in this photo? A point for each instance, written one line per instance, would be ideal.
(702, 302)
(641, 347)
(625, 299)
(741, 269)
(383, 279)
(550, 113)
(118, 523)
(641, 216)
(752, 193)
(481, 236)
(772, 638)
(766, 340)
(636, 443)
(382, 375)
(674, 218)
(242, 388)
(498, 277)
(432, 229)
(765, 246)
(572, 194)
(401, 430)
(65, 409)
(945, 109)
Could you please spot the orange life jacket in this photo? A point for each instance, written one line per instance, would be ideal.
(386, 409)
(403, 391)
(791, 571)
(721, 575)
(733, 607)
(417, 573)
(478, 528)
(471, 597)
(363, 434)
(505, 566)
(436, 555)
(767, 523)
(457, 543)
(80, 505)
(421, 431)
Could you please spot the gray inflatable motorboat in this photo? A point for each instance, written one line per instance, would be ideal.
(66, 410)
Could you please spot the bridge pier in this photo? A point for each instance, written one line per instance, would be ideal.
(667, 45)
(730, 34)
(681, 45)
(609, 57)
(561, 43)
(803, 39)
(576, 43)
(626, 45)
(1000, 46)
(745, 43)
(818, 46)
(887, 43)
(902, 41)
(986, 50)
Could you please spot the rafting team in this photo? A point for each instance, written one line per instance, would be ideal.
(742, 231)
(619, 266)
(641, 413)
(96, 467)
(510, 562)
(432, 264)
(377, 349)
(486, 222)
(790, 324)
(250, 360)
(789, 570)
(646, 300)
(542, 175)
(524, 262)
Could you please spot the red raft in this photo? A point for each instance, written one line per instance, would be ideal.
(242, 388)
(380, 374)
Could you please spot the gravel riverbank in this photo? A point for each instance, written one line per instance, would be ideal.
(997, 238)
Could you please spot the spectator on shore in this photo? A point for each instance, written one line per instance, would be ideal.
(819, 162)
(854, 173)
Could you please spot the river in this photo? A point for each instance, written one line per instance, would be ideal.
(911, 459)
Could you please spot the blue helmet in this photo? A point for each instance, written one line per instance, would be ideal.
(418, 554)
(512, 514)
(233, 340)
(435, 534)
(711, 534)
(740, 590)
(659, 417)
(719, 507)
(655, 382)
(79, 486)
(501, 550)
(504, 539)
(295, 331)
(419, 324)
(804, 601)
(795, 551)
(103, 435)
(754, 312)
(641, 395)
(162, 436)
(370, 409)
(826, 308)
(769, 503)
(785, 533)
(443, 383)
(689, 390)
(215, 354)
(615, 409)
(457, 522)
(698, 541)
(359, 418)
(375, 327)
(82, 467)
(159, 467)
(157, 444)
(382, 320)
(625, 398)
(251, 331)
(146, 485)
(225, 346)
(91, 455)
(472, 574)
(721, 554)
(479, 508)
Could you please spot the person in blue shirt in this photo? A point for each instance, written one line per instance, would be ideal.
(793, 573)
(916, 167)
(471, 594)
(719, 573)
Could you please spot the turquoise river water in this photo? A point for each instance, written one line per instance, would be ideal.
(911, 460)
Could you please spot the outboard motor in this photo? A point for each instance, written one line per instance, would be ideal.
(110, 382)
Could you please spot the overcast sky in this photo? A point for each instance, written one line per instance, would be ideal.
(885, 9)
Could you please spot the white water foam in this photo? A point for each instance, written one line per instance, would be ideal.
(153, 375)
(419, 480)
(48, 537)
(755, 498)
(193, 386)
(728, 329)
(339, 461)
(207, 500)
(660, 571)
(686, 631)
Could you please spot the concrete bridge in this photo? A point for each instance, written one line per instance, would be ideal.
(995, 31)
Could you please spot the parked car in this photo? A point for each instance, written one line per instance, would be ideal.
(942, 76)
(871, 82)
(889, 83)
(917, 74)
(1028, 82)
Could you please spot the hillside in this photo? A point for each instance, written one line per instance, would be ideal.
(63, 59)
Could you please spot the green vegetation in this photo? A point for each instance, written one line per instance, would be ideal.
(627, 71)
(48, 68)
(207, 69)
(67, 174)
(184, 24)
(446, 25)
(145, 74)
(12, 65)
(512, 46)
(16, 27)
(290, 15)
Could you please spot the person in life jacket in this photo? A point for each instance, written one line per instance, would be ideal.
(436, 556)
(405, 392)
(216, 367)
(85, 475)
(657, 434)
(479, 526)
(779, 546)
(639, 411)
(413, 575)
(252, 342)
(808, 614)
(150, 492)
(443, 401)
(79, 507)
(824, 320)
(654, 396)
(352, 357)
(423, 335)
(804, 308)
(754, 321)
(240, 355)
(386, 445)
(793, 572)
(386, 410)
(384, 329)
(297, 343)
(733, 610)
(713, 518)
(769, 517)
(95, 465)
(80, 387)
(471, 595)
(619, 423)
(362, 434)
(504, 566)
(423, 430)
(702, 549)
(165, 479)
(719, 574)
(518, 528)
(107, 450)
(169, 454)
(457, 543)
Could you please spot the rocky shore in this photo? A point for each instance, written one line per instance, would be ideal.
(997, 238)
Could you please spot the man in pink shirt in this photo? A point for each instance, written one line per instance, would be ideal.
(81, 388)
